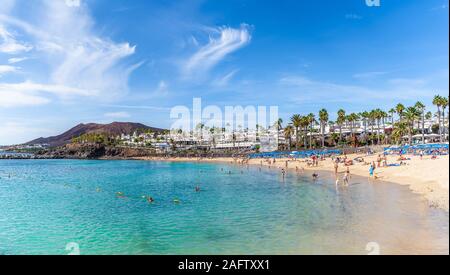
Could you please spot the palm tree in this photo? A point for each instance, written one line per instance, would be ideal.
(279, 126)
(378, 115)
(410, 115)
(384, 116)
(340, 121)
(399, 130)
(400, 108)
(365, 117)
(444, 104)
(312, 120)
(429, 116)
(372, 118)
(323, 117)
(212, 132)
(351, 121)
(201, 126)
(437, 101)
(421, 108)
(392, 112)
(297, 122)
(288, 132)
(304, 124)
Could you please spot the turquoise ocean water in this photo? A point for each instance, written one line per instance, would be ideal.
(47, 204)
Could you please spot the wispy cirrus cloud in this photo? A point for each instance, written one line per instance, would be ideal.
(162, 90)
(368, 75)
(306, 90)
(32, 94)
(9, 44)
(222, 42)
(117, 115)
(4, 69)
(79, 62)
(23, 130)
(15, 60)
(224, 80)
(73, 3)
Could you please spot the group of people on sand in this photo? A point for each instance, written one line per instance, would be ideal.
(314, 161)
(346, 177)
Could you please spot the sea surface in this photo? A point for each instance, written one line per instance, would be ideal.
(72, 206)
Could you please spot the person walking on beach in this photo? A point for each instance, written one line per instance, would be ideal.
(379, 161)
(372, 170)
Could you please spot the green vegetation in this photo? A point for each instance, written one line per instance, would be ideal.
(94, 138)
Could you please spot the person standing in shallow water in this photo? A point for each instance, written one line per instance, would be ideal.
(336, 166)
(346, 177)
(372, 170)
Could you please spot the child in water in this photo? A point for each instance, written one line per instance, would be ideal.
(315, 176)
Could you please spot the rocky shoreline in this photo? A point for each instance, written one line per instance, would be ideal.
(98, 151)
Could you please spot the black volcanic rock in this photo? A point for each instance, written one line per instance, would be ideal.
(92, 151)
(113, 129)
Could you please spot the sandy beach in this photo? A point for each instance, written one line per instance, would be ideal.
(428, 177)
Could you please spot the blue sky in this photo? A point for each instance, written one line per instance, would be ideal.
(64, 62)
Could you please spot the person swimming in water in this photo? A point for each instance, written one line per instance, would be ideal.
(315, 176)
(150, 199)
(197, 189)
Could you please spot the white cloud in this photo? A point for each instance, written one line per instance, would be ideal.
(30, 94)
(444, 6)
(9, 45)
(118, 115)
(20, 131)
(7, 69)
(305, 90)
(20, 99)
(224, 80)
(73, 3)
(228, 41)
(7, 5)
(15, 60)
(161, 91)
(368, 75)
(76, 57)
